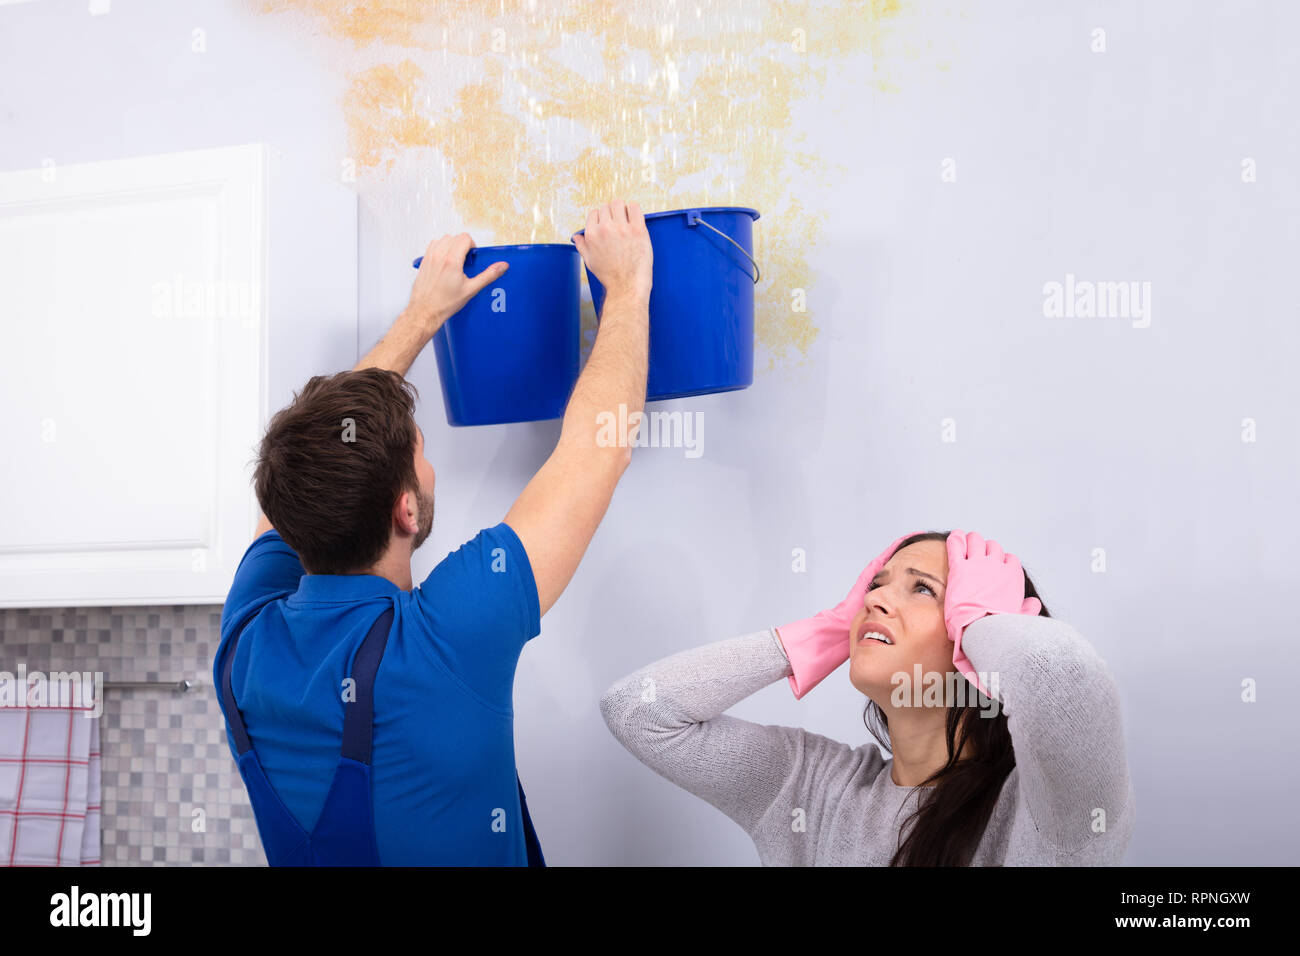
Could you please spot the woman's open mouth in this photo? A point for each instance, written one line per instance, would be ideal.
(875, 632)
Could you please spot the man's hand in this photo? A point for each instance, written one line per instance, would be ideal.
(441, 290)
(616, 248)
(441, 287)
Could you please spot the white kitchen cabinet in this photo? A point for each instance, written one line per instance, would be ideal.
(153, 311)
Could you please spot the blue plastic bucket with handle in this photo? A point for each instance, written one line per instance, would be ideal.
(511, 354)
(701, 302)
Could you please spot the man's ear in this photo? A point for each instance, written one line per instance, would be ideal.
(405, 516)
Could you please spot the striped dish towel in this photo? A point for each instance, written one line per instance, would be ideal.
(50, 780)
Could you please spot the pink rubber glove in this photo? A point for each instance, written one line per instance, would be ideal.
(981, 580)
(817, 645)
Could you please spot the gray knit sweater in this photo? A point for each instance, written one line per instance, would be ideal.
(807, 800)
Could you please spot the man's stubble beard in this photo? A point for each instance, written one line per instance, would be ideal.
(426, 518)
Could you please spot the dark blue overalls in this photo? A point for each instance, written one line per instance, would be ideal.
(345, 831)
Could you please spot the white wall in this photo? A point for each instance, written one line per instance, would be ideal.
(1072, 434)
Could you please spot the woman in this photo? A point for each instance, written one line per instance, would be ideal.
(955, 791)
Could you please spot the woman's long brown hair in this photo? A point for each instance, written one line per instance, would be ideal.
(947, 826)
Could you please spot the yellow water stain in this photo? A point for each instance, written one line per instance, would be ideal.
(685, 112)
(381, 115)
(786, 333)
(398, 22)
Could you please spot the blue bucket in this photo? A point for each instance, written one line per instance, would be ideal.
(511, 354)
(701, 302)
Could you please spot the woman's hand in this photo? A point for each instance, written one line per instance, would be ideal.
(817, 645)
(981, 580)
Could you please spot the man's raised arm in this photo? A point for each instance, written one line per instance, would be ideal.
(441, 289)
(557, 514)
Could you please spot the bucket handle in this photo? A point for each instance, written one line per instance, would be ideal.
(694, 217)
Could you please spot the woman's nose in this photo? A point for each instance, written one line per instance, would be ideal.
(877, 599)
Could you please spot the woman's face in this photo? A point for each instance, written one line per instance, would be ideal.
(906, 599)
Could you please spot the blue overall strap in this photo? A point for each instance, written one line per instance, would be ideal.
(344, 834)
(359, 715)
(283, 840)
(535, 857)
(226, 695)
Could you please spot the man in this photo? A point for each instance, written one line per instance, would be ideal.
(372, 720)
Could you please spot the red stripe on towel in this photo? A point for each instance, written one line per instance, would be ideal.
(22, 776)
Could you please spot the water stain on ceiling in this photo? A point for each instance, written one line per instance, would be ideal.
(541, 111)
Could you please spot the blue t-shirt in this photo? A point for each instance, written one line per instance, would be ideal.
(443, 757)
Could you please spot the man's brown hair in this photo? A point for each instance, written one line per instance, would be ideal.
(333, 463)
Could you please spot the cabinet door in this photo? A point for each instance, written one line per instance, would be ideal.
(133, 324)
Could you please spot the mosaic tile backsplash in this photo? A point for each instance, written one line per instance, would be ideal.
(164, 752)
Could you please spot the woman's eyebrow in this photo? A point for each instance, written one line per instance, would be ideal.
(919, 574)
